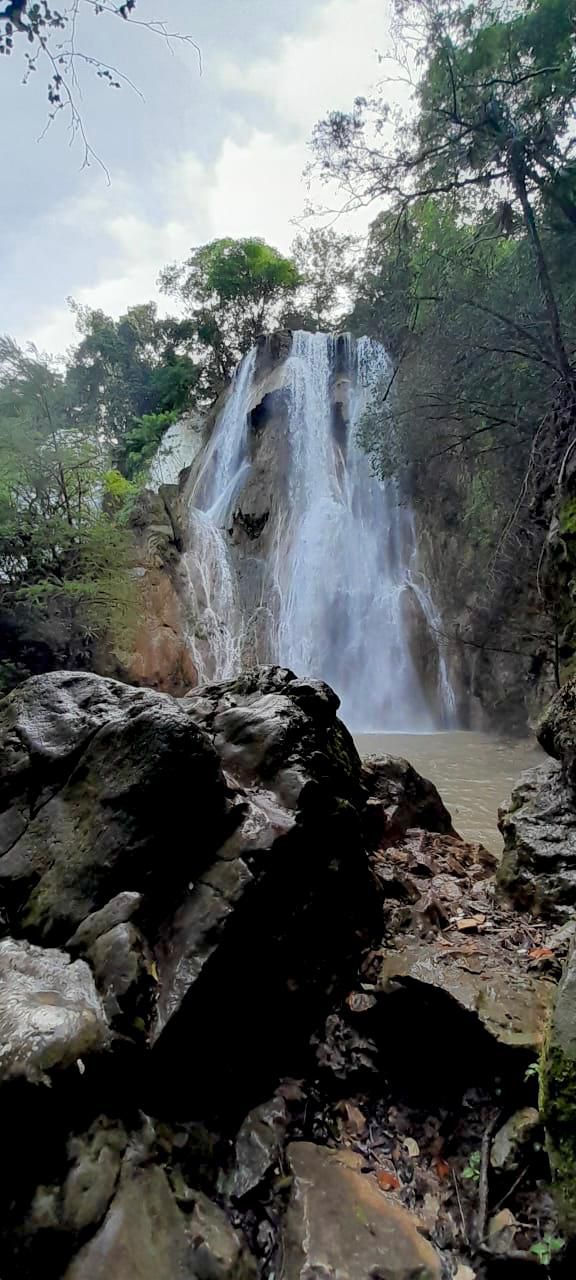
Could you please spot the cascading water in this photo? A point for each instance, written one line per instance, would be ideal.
(341, 564)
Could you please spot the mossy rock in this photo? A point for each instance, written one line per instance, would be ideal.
(558, 1097)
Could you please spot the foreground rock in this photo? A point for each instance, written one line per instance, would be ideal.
(340, 1223)
(276, 998)
(50, 1014)
(538, 869)
(559, 1095)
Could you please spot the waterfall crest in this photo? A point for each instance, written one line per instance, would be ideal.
(306, 558)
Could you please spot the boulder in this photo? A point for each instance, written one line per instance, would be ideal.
(511, 1139)
(50, 1013)
(276, 922)
(145, 1236)
(556, 730)
(122, 966)
(538, 867)
(258, 1146)
(339, 1223)
(559, 1096)
(404, 797)
(117, 911)
(218, 1251)
(130, 762)
(204, 855)
(511, 1006)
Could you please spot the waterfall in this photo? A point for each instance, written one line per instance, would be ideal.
(338, 569)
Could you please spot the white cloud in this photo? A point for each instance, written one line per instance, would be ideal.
(255, 186)
(323, 67)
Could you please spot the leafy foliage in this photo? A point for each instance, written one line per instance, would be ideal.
(326, 261)
(64, 559)
(494, 101)
(232, 291)
(48, 36)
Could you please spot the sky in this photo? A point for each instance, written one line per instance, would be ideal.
(216, 149)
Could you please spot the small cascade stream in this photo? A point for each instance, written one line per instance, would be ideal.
(338, 568)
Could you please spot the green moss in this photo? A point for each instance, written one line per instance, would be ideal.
(567, 516)
(558, 1106)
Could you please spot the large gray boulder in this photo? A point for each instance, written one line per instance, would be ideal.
(97, 791)
(557, 729)
(189, 851)
(538, 823)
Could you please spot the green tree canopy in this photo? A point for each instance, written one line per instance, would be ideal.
(232, 291)
(126, 370)
(494, 102)
(64, 560)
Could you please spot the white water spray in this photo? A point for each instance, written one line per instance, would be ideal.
(341, 565)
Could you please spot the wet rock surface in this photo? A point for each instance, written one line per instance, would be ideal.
(339, 1223)
(50, 1013)
(538, 868)
(289, 1021)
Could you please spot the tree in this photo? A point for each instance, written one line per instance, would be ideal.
(48, 36)
(129, 371)
(232, 291)
(326, 261)
(494, 105)
(64, 559)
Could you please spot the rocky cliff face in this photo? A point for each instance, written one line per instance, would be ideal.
(275, 998)
(159, 655)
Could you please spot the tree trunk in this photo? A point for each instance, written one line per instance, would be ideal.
(518, 178)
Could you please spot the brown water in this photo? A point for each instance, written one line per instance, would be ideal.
(474, 773)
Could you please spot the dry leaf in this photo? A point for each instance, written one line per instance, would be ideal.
(471, 922)
(360, 1001)
(502, 1229)
(354, 1122)
(541, 953)
(441, 1168)
(387, 1181)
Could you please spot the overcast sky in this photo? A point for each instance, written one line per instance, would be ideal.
(204, 155)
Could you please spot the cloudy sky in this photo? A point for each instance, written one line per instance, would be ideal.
(206, 154)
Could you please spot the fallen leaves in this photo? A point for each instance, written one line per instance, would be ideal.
(441, 1168)
(541, 953)
(471, 922)
(353, 1120)
(387, 1181)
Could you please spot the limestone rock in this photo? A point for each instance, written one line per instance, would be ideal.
(119, 817)
(143, 1236)
(407, 799)
(557, 729)
(146, 1237)
(512, 1137)
(44, 726)
(340, 1223)
(90, 1184)
(559, 1096)
(218, 1251)
(502, 1229)
(50, 1013)
(291, 881)
(510, 1005)
(271, 726)
(120, 964)
(538, 868)
(117, 911)
(258, 1146)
